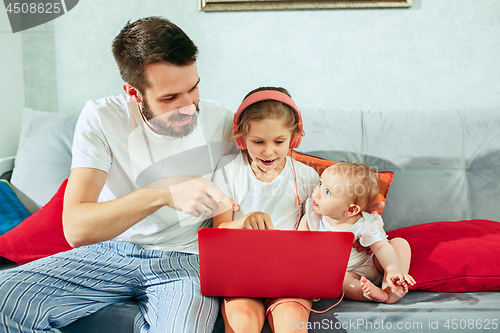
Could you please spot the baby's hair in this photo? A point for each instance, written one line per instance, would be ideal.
(267, 110)
(365, 181)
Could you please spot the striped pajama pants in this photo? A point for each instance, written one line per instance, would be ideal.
(55, 291)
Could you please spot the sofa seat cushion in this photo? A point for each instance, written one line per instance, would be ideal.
(418, 311)
(115, 318)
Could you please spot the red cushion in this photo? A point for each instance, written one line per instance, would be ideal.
(320, 165)
(454, 256)
(38, 236)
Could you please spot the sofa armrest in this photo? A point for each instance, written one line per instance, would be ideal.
(6, 164)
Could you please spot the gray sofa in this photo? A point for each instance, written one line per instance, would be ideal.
(446, 167)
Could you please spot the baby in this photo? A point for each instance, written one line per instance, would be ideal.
(338, 204)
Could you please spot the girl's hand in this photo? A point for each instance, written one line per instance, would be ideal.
(258, 220)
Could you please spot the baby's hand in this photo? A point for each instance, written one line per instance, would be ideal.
(360, 248)
(258, 220)
(397, 278)
(379, 205)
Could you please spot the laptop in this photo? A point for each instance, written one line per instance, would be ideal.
(273, 263)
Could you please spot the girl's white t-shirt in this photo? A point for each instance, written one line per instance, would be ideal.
(234, 176)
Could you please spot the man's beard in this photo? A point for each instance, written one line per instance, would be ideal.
(160, 127)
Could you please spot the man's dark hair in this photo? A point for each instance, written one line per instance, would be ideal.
(148, 41)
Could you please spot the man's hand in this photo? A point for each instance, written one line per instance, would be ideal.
(258, 220)
(194, 195)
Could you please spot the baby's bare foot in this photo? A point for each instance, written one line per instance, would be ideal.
(372, 292)
(396, 293)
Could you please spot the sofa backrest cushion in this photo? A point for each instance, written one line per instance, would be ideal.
(446, 164)
(43, 159)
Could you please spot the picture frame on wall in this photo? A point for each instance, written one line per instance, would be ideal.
(229, 5)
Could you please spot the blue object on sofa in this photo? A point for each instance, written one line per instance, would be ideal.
(447, 168)
(12, 210)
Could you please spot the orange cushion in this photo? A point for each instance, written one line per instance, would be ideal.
(320, 165)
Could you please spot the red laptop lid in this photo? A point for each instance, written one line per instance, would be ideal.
(273, 263)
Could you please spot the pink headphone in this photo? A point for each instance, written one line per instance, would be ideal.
(266, 95)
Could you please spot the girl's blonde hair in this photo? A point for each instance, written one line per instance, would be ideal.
(265, 110)
(365, 182)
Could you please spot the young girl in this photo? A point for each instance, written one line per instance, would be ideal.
(338, 204)
(269, 188)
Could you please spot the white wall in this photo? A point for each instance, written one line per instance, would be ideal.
(11, 87)
(438, 54)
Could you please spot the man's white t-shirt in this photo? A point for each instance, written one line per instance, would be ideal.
(112, 136)
(278, 198)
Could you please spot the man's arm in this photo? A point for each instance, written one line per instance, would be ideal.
(86, 221)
